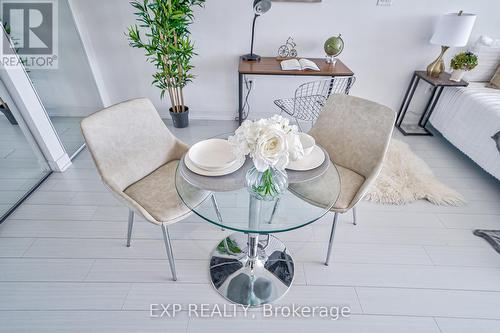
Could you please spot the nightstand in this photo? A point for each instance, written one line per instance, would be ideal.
(437, 84)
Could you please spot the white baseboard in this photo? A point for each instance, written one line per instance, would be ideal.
(197, 116)
(62, 163)
(207, 116)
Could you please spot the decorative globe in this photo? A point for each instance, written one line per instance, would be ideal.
(334, 46)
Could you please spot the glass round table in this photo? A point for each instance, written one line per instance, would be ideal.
(251, 266)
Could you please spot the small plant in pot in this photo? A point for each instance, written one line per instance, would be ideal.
(461, 63)
(167, 45)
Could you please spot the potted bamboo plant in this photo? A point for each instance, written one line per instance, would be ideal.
(167, 45)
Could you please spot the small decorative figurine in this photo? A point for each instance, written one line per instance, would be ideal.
(287, 50)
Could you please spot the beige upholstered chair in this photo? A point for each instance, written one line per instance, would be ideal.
(356, 133)
(137, 156)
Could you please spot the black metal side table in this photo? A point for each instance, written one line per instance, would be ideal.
(438, 84)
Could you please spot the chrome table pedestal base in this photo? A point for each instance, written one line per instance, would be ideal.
(251, 270)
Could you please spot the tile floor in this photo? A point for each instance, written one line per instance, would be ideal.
(64, 266)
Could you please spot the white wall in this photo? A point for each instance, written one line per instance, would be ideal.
(383, 46)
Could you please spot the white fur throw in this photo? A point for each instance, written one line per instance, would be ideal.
(406, 178)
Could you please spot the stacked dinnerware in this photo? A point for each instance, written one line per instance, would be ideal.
(212, 157)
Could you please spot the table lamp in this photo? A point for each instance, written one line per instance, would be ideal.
(259, 7)
(452, 30)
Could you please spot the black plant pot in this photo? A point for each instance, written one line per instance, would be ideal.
(180, 119)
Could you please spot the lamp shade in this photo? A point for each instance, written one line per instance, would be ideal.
(261, 6)
(453, 30)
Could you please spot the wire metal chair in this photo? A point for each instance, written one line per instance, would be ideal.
(310, 97)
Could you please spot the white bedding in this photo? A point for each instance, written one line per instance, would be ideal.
(468, 118)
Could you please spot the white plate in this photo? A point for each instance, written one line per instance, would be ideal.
(212, 154)
(213, 173)
(309, 162)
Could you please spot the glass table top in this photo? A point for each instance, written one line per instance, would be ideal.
(202, 194)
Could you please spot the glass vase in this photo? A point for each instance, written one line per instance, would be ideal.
(267, 185)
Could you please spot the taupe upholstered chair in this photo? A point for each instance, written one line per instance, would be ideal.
(137, 156)
(356, 133)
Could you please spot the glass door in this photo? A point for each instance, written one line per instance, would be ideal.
(45, 71)
(63, 81)
(22, 165)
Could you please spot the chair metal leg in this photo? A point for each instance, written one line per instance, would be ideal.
(354, 221)
(130, 225)
(275, 208)
(298, 125)
(217, 210)
(216, 207)
(168, 248)
(332, 235)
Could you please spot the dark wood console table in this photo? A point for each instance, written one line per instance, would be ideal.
(271, 66)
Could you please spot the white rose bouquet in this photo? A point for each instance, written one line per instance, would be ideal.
(271, 143)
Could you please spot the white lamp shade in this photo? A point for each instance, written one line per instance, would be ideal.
(453, 30)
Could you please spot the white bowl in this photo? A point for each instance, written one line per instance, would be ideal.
(307, 142)
(212, 154)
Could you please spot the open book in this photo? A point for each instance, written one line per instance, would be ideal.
(298, 65)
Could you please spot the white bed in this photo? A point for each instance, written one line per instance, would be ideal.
(468, 118)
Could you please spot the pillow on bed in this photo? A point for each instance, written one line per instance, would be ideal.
(495, 80)
(488, 53)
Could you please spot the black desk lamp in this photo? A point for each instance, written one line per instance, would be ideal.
(259, 7)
